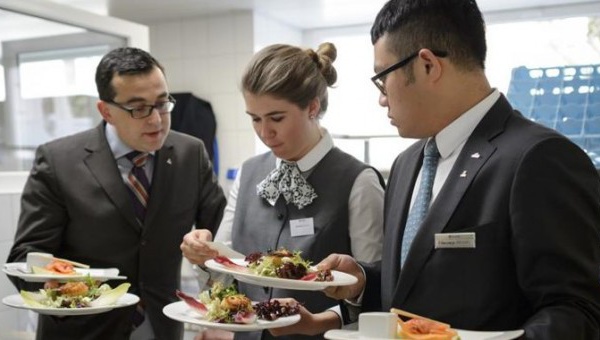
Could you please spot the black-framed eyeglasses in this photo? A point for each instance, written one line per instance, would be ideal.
(143, 111)
(379, 78)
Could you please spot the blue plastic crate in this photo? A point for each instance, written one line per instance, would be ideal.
(565, 98)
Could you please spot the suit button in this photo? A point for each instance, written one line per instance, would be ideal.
(143, 243)
(279, 216)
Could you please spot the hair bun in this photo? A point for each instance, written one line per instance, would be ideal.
(326, 55)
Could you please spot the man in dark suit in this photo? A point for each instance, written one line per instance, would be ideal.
(77, 203)
(511, 236)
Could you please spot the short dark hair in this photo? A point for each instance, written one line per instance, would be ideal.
(122, 61)
(454, 26)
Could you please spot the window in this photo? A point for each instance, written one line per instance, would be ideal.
(2, 89)
(358, 123)
(355, 116)
(61, 73)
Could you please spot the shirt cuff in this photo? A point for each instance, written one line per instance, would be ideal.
(358, 301)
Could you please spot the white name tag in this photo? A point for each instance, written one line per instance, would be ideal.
(455, 240)
(302, 227)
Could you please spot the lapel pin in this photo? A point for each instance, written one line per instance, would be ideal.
(464, 173)
(475, 155)
(169, 161)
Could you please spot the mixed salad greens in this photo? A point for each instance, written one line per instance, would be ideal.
(279, 263)
(285, 264)
(74, 294)
(224, 304)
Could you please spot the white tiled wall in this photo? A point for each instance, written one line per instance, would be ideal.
(207, 56)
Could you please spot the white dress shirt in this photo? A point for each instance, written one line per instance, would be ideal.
(451, 140)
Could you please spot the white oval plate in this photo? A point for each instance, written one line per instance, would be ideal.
(339, 278)
(16, 301)
(19, 269)
(181, 312)
(341, 334)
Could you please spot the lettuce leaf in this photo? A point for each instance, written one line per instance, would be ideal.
(110, 297)
(33, 299)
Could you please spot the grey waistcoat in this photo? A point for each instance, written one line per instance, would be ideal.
(258, 226)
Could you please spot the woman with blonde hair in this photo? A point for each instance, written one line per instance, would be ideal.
(304, 194)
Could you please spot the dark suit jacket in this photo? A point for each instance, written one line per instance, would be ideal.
(532, 198)
(195, 117)
(76, 206)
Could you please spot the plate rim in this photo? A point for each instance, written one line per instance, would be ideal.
(347, 334)
(30, 277)
(172, 308)
(277, 282)
(130, 299)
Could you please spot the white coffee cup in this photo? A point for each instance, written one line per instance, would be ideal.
(377, 325)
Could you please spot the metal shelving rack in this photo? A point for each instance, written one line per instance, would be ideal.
(565, 98)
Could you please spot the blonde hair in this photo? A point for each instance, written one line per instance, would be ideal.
(291, 73)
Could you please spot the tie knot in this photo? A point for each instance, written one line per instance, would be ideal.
(286, 166)
(287, 180)
(431, 149)
(138, 158)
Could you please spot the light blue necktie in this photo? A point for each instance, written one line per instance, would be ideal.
(421, 204)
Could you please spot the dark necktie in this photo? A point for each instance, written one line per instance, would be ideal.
(421, 204)
(139, 188)
(138, 183)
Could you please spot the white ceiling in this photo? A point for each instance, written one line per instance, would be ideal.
(302, 14)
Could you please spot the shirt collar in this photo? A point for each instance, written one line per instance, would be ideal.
(314, 156)
(454, 135)
(117, 146)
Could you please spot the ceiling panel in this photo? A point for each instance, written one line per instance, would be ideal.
(302, 14)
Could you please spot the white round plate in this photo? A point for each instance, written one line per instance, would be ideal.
(339, 278)
(341, 334)
(181, 312)
(19, 269)
(16, 301)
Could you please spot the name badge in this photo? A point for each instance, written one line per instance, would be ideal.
(302, 227)
(455, 240)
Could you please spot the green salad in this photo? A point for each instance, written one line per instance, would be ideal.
(75, 294)
(225, 304)
(280, 263)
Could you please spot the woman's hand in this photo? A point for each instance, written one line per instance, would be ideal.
(309, 324)
(194, 247)
(214, 334)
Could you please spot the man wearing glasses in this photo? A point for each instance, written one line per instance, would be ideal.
(492, 222)
(121, 195)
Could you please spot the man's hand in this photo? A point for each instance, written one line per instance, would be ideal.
(347, 264)
(309, 324)
(194, 247)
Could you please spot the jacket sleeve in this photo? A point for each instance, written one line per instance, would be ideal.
(555, 215)
(211, 197)
(43, 215)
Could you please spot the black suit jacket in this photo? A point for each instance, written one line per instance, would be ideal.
(532, 198)
(76, 206)
(195, 117)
